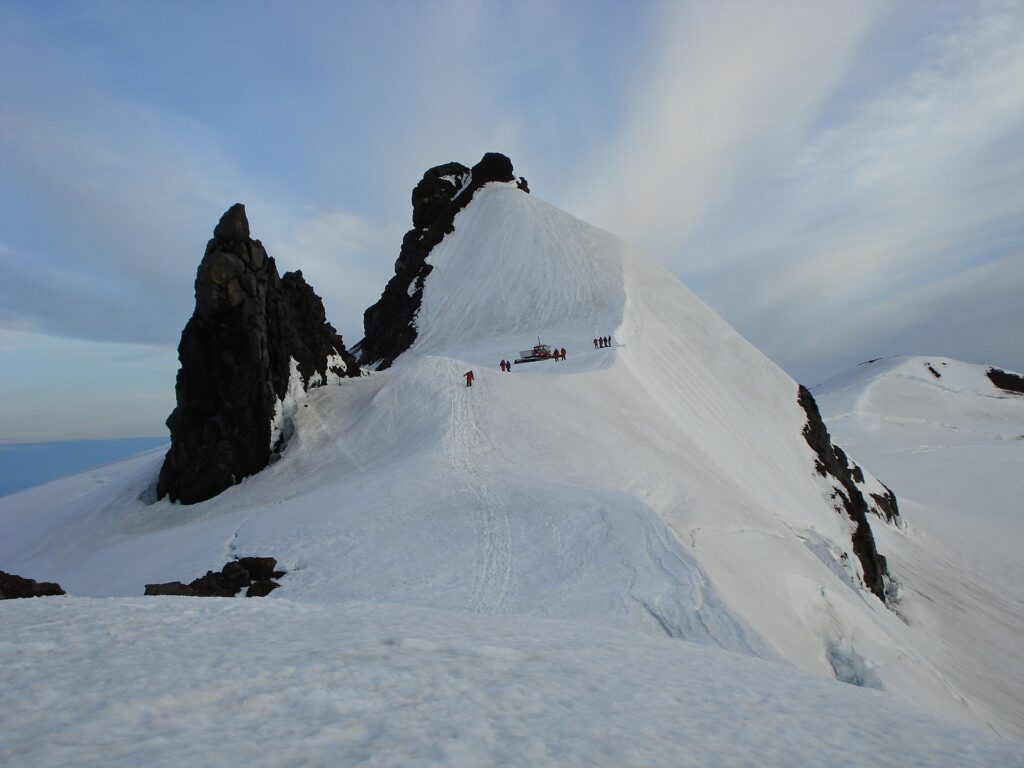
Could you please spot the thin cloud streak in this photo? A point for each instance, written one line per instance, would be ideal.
(730, 83)
(922, 184)
(132, 194)
(789, 211)
(804, 167)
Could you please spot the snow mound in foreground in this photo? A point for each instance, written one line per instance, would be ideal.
(178, 681)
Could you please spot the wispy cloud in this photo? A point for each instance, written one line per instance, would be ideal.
(111, 202)
(728, 85)
(805, 165)
(822, 173)
(920, 183)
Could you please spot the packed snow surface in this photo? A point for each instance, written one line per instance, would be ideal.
(661, 487)
(951, 445)
(186, 681)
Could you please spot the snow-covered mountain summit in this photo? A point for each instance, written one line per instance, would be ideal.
(676, 483)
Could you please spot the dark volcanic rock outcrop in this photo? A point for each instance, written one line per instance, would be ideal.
(833, 462)
(442, 192)
(1011, 382)
(12, 587)
(254, 574)
(236, 353)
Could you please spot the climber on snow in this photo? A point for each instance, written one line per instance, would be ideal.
(469, 378)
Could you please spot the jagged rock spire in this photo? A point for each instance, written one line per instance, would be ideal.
(236, 356)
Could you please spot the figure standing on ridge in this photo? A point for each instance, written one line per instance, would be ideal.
(502, 365)
(595, 343)
(563, 353)
(469, 378)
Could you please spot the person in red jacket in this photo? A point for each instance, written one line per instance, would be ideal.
(469, 378)
(563, 353)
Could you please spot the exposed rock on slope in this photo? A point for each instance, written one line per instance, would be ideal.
(12, 586)
(236, 357)
(442, 192)
(833, 462)
(254, 574)
(1011, 382)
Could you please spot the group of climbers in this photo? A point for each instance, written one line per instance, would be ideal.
(506, 366)
(556, 354)
(602, 341)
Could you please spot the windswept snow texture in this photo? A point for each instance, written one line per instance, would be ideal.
(952, 448)
(273, 683)
(661, 486)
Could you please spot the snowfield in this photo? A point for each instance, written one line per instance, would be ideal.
(192, 681)
(952, 448)
(591, 513)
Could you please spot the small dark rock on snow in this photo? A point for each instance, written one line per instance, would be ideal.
(260, 567)
(12, 587)
(170, 588)
(251, 573)
(261, 588)
(1011, 382)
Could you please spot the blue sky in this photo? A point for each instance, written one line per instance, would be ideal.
(841, 180)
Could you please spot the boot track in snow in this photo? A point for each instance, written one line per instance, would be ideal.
(492, 576)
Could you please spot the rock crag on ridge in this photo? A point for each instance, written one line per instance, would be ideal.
(253, 337)
(389, 325)
(832, 462)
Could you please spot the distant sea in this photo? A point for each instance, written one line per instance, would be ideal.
(23, 465)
